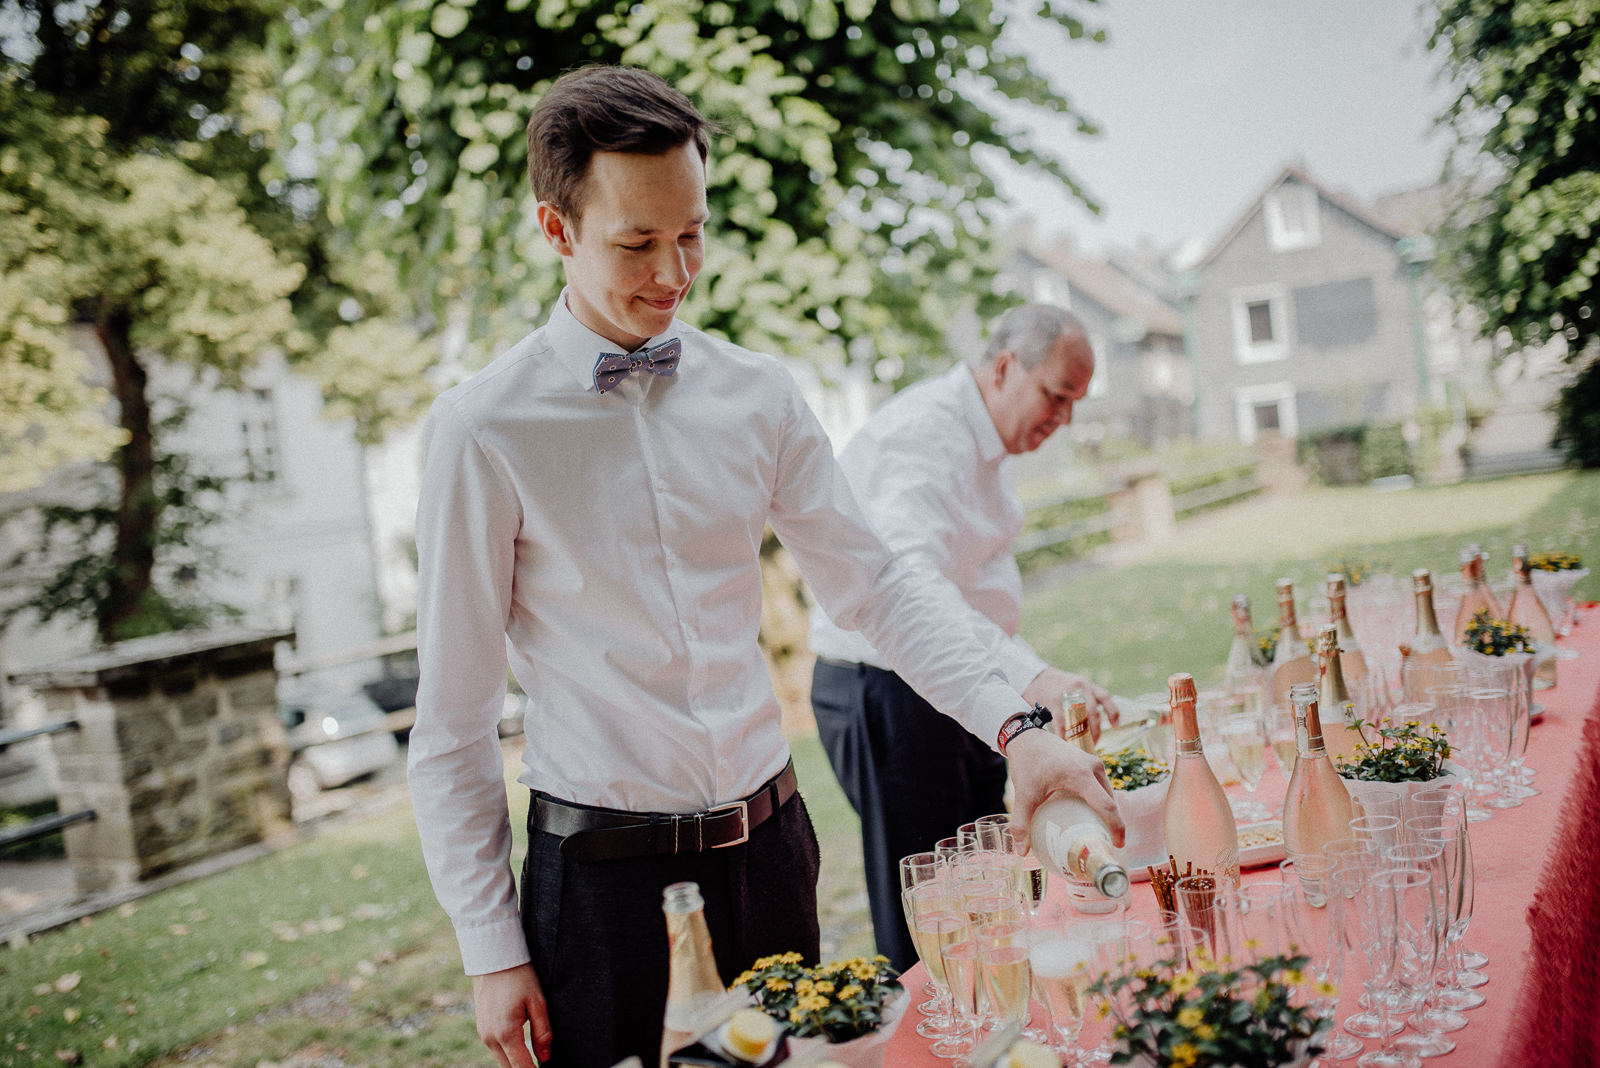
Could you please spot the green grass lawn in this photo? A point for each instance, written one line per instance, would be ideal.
(1132, 626)
(336, 948)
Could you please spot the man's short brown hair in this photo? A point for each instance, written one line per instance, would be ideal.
(603, 109)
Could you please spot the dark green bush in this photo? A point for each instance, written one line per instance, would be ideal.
(1577, 411)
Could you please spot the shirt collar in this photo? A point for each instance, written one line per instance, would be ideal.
(578, 347)
(990, 447)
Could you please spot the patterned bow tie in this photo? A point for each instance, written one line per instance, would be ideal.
(613, 367)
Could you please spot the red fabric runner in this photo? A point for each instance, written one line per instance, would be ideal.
(1537, 902)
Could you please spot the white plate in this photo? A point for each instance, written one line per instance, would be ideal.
(1262, 855)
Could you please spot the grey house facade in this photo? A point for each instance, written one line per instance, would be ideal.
(1307, 314)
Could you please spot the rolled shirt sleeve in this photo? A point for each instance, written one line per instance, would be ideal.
(909, 612)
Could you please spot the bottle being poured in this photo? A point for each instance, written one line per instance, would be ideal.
(1199, 824)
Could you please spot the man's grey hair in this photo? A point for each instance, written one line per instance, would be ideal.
(1030, 332)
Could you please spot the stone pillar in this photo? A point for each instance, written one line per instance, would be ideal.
(180, 751)
(1140, 502)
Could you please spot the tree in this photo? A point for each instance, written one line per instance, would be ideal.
(1524, 245)
(132, 201)
(845, 189)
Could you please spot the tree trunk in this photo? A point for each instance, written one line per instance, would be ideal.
(134, 556)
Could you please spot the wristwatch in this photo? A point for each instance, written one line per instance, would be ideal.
(1022, 721)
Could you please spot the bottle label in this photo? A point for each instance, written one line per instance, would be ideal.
(1069, 848)
(1077, 730)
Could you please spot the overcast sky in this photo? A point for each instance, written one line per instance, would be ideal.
(1199, 104)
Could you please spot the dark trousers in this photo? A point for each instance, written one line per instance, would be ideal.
(599, 939)
(912, 774)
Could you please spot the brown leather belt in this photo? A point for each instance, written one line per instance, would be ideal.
(590, 834)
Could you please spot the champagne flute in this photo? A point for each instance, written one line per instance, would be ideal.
(1003, 956)
(935, 925)
(1405, 922)
(1062, 963)
(1247, 746)
(1280, 733)
(1451, 834)
(915, 869)
(1317, 931)
(1499, 722)
(1431, 1020)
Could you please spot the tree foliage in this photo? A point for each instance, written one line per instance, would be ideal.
(845, 188)
(1524, 245)
(133, 134)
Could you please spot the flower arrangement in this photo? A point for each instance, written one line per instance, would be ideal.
(1267, 645)
(839, 1001)
(1171, 1014)
(1497, 637)
(1555, 562)
(1407, 753)
(1356, 569)
(1131, 768)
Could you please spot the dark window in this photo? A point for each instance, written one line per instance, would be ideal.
(1267, 416)
(1337, 313)
(1260, 321)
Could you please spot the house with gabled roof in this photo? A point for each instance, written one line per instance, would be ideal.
(1308, 313)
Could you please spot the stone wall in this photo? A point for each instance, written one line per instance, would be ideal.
(180, 752)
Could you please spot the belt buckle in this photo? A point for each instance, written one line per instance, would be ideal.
(743, 808)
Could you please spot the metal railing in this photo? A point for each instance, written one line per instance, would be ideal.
(44, 824)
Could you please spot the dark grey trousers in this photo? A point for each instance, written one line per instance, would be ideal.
(599, 939)
(912, 774)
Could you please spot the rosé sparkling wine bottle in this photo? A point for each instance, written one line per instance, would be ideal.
(1291, 660)
(1427, 644)
(693, 982)
(1476, 596)
(1344, 719)
(1316, 808)
(1199, 824)
(1526, 610)
(1352, 659)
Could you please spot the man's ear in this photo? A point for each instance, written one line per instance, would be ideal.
(1003, 364)
(557, 229)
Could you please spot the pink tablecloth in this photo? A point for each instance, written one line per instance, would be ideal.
(1538, 898)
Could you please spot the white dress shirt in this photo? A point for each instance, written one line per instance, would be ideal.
(933, 476)
(608, 544)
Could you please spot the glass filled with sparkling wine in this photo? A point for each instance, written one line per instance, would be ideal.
(1247, 746)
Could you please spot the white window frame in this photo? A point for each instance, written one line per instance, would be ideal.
(1245, 399)
(261, 443)
(1279, 236)
(1247, 351)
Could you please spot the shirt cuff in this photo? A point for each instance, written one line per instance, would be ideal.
(493, 947)
(1021, 664)
(997, 704)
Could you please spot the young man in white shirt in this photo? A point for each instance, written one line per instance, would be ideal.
(931, 469)
(592, 506)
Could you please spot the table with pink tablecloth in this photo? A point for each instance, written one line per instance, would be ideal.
(1537, 910)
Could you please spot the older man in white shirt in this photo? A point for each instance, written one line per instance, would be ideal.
(931, 470)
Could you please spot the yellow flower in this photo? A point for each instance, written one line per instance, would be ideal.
(743, 979)
(795, 1015)
(804, 986)
(1206, 1032)
(1183, 982)
(1326, 989)
(824, 987)
(777, 983)
(1294, 977)
(1184, 1054)
(814, 1003)
(790, 958)
(766, 962)
(881, 959)
(1102, 1010)
(1190, 1018)
(863, 971)
(849, 992)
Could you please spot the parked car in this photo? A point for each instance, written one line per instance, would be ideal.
(334, 740)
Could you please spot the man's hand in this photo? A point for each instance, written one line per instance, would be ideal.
(1041, 765)
(508, 1002)
(1048, 686)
